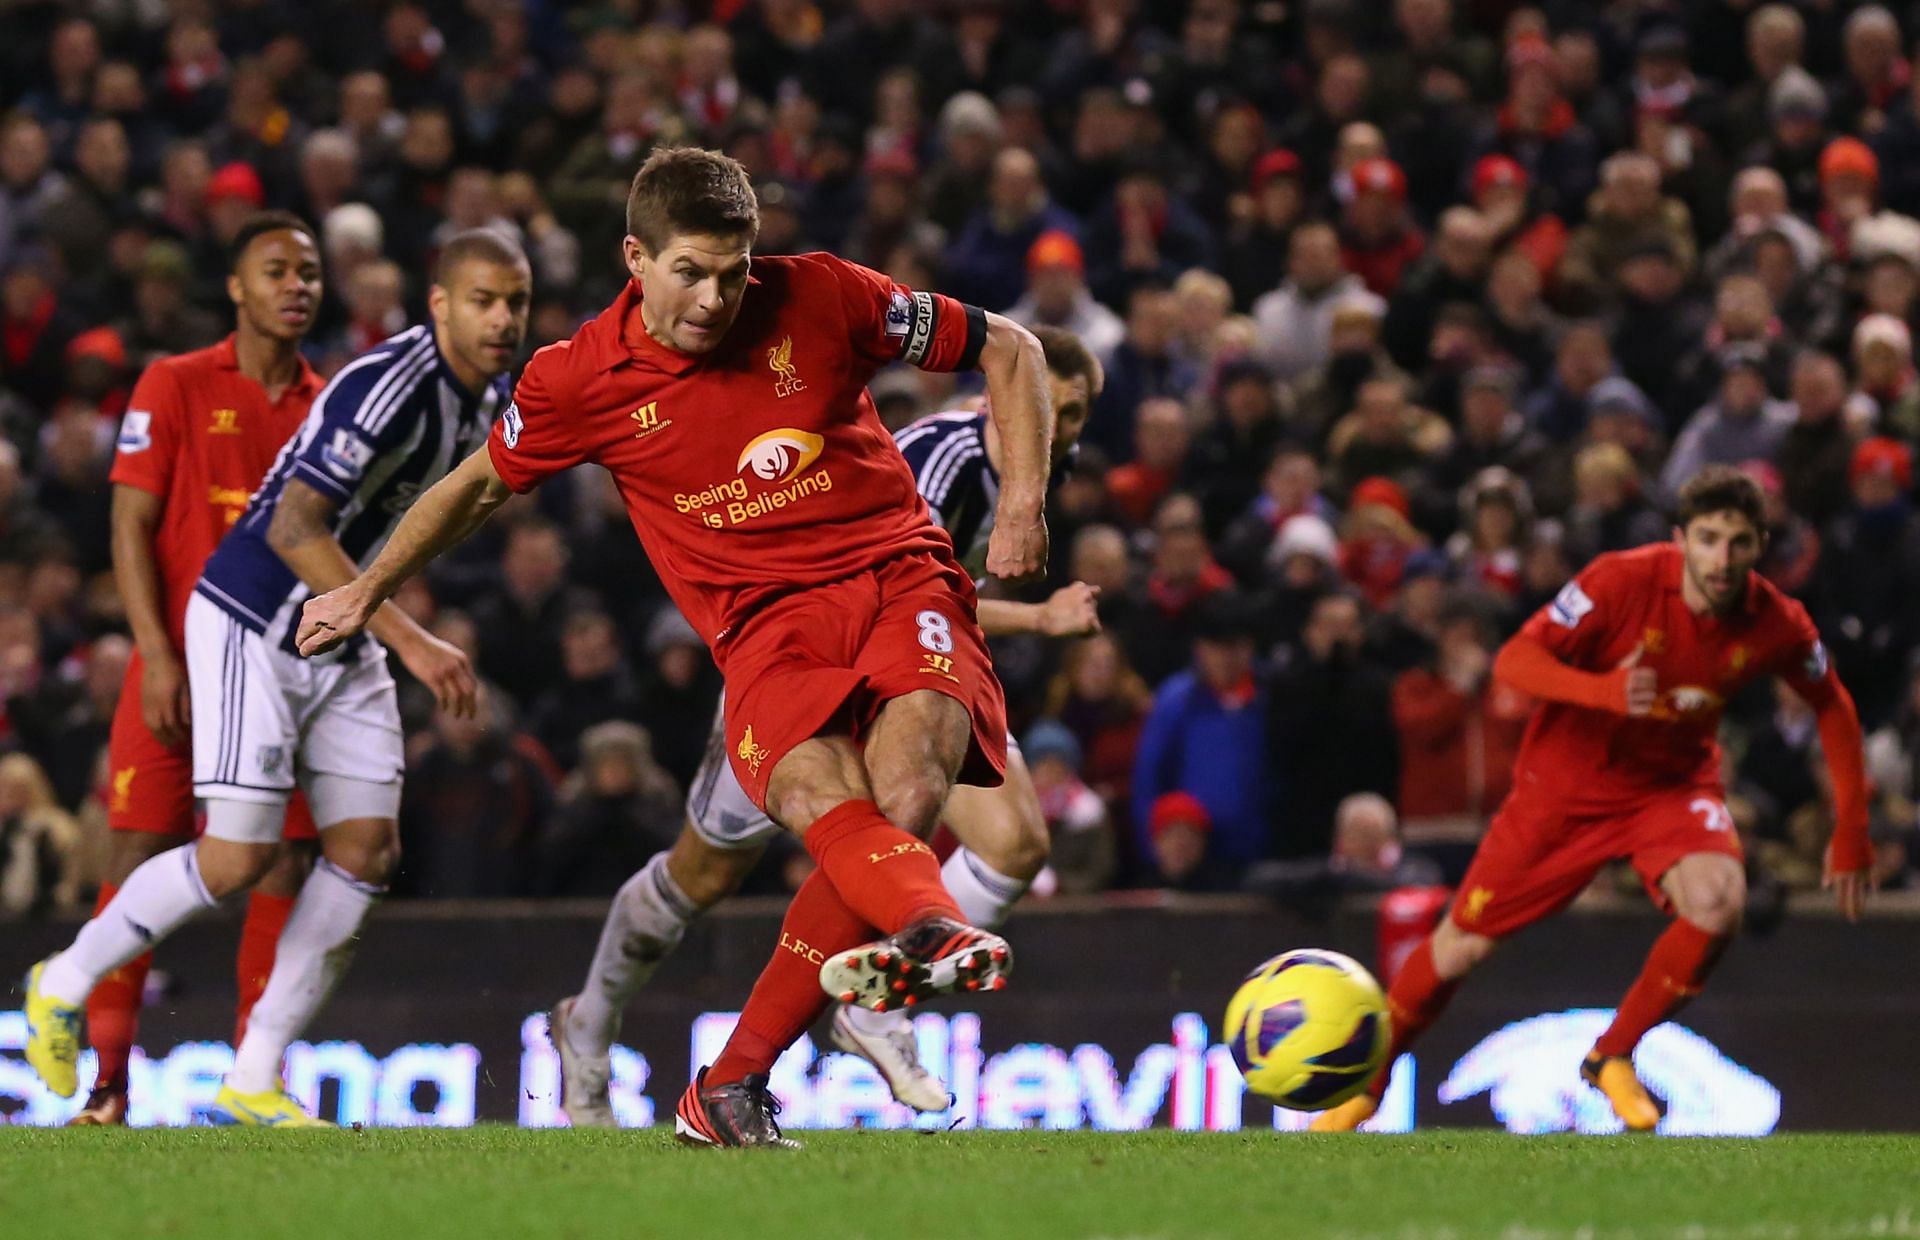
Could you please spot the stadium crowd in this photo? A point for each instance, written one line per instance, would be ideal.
(1407, 309)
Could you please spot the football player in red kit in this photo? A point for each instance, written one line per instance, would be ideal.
(200, 432)
(731, 409)
(1632, 665)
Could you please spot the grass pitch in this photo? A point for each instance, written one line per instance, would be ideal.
(488, 1182)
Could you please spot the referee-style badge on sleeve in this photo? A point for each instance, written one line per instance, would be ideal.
(1571, 605)
(510, 425)
(136, 431)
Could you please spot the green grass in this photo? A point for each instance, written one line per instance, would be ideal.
(503, 1182)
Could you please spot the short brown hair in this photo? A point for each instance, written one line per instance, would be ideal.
(488, 244)
(688, 189)
(1721, 488)
(1069, 357)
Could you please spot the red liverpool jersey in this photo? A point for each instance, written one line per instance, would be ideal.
(201, 435)
(760, 468)
(1631, 599)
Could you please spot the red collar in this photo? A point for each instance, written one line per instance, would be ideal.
(610, 343)
(226, 355)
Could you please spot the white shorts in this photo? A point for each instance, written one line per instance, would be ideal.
(718, 807)
(265, 719)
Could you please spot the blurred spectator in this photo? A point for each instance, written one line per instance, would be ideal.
(1082, 855)
(1328, 391)
(1455, 271)
(1331, 732)
(1103, 701)
(1254, 258)
(1503, 196)
(1818, 448)
(519, 625)
(38, 840)
(1863, 595)
(1539, 130)
(1742, 424)
(1057, 296)
(1182, 573)
(1610, 511)
(1584, 358)
(1295, 321)
(1230, 452)
(1367, 857)
(1180, 840)
(596, 686)
(616, 811)
(1492, 433)
(1145, 365)
(1143, 233)
(1627, 217)
(1379, 240)
(64, 723)
(987, 263)
(1206, 736)
(1161, 440)
(1655, 320)
(477, 794)
(1386, 436)
(1496, 520)
(1459, 731)
(678, 689)
(1886, 398)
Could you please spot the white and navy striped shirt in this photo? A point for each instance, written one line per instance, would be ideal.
(392, 423)
(948, 454)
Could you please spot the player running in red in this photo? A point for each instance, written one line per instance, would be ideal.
(1632, 665)
(732, 411)
(200, 432)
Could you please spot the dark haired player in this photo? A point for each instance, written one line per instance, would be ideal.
(199, 434)
(387, 427)
(1632, 665)
(731, 409)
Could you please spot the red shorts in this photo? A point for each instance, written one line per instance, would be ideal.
(150, 786)
(827, 658)
(1542, 850)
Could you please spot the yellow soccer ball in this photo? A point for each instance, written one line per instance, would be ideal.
(1308, 1028)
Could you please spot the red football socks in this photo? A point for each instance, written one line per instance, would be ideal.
(1676, 968)
(883, 875)
(788, 998)
(259, 938)
(113, 1010)
(1414, 1001)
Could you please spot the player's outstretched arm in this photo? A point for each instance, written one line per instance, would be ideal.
(1022, 413)
(1071, 611)
(448, 512)
(1526, 664)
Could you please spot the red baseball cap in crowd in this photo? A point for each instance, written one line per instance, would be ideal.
(1056, 249)
(1383, 491)
(1179, 809)
(1849, 157)
(1279, 162)
(237, 180)
(1501, 171)
(1380, 176)
(1888, 458)
(103, 343)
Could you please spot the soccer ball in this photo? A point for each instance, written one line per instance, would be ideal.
(1308, 1029)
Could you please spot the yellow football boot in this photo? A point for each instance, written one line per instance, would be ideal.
(270, 1108)
(53, 1036)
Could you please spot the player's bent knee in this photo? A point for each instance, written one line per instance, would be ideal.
(814, 778)
(913, 802)
(226, 866)
(1718, 913)
(367, 849)
(707, 875)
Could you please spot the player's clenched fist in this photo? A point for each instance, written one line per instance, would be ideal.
(1017, 549)
(1640, 687)
(328, 620)
(1071, 611)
